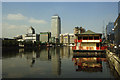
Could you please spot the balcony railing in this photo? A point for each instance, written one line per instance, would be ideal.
(88, 40)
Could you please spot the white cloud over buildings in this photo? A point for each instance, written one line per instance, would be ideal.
(16, 17)
(32, 20)
(22, 17)
(11, 30)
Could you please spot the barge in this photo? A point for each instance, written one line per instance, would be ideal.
(88, 41)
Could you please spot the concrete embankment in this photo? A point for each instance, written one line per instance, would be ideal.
(113, 60)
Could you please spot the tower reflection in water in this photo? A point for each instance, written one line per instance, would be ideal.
(52, 55)
(88, 64)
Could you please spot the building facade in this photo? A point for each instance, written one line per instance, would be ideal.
(30, 36)
(72, 37)
(110, 32)
(52, 40)
(118, 7)
(56, 26)
(67, 39)
(45, 36)
(117, 31)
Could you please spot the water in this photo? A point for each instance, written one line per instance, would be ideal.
(59, 62)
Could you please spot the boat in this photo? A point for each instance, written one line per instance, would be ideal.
(88, 41)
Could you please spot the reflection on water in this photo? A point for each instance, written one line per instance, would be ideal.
(88, 64)
(59, 62)
(88, 61)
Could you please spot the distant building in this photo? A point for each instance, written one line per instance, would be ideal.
(19, 38)
(78, 30)
(52, 40)
(45, 36)
(30, 36)
(109, 28)
(110, 32)
(61, 38)
(117, 31)
(30, 30)
(72, 38)
(118, 7)
(67, 39)
(56, 26)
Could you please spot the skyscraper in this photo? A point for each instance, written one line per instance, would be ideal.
(118, 7)
(56, 26)
(110, 32)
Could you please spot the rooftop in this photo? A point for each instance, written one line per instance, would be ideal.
(89, 32)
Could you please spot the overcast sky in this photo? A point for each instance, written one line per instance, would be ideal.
(18, 16)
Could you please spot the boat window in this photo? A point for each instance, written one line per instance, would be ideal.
(85, 37)
(90, 37)
(79, 38)
(96, 37)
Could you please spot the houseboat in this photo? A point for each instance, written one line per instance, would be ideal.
(88, 41)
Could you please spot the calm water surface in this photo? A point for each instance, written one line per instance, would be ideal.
(59, 62)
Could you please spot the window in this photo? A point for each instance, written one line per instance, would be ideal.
(96, 37)
(90, 37)
(79, 38)
(85, 37)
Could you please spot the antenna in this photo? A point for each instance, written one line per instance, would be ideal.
(103, 30)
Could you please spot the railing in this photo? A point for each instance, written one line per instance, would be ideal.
(88, 40)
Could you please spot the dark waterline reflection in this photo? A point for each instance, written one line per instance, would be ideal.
(59, 62)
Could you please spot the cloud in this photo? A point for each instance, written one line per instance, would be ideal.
(21, 17)
(9, 26)
(11, 30)
(16, 17)
(16, 27)
(32, 20)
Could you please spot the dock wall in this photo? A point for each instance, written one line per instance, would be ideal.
(113, 60)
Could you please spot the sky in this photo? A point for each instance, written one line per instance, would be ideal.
(17, 17)
(59, 0)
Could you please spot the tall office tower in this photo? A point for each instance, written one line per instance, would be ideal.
(56, 26)
(118, 7)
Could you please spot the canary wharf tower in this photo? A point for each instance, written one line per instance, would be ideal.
(56, 26)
